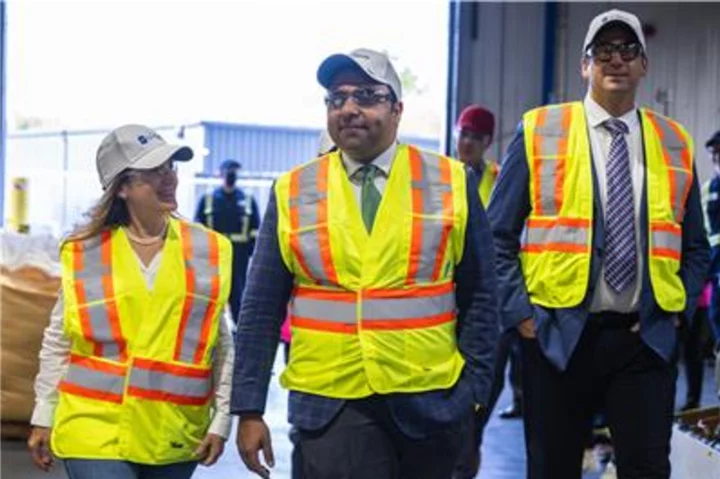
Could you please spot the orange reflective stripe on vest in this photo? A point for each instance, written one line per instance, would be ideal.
(95, 293)
(310, 208)
(407, 308)
(568, 235)
(92, 378)
(203, 288)
(170, 382)
(550, 144)
(431, 195)
(677, 157)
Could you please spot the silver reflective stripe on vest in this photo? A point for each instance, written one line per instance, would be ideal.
(307, 203)
(204, 272)
(553, 136)
(432, 191)
(324, 310)
(556, 234)
(209, 210)
(667, 240)
(92, 274)
(674, 146)
(161, 381)
(100, 381)
(408, 308)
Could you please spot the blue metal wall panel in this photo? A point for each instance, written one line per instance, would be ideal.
(269, 149)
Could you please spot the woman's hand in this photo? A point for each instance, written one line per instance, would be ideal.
(39, 446)
(210, 450)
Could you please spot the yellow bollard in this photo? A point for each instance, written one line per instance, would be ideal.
(19, 205)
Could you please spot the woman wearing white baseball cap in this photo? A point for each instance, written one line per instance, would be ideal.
(135, 366)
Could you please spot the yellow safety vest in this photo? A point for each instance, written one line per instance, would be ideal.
(485, 186)
(556, 244)
(373, 313)
(139, 384)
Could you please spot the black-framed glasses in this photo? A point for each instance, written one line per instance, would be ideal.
(603, 51)
(363, 97)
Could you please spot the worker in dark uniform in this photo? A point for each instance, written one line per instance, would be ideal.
(232, 212)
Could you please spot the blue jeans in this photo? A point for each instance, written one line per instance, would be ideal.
(114, 469)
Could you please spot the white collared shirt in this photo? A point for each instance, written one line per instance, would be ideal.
(383, 162)
(604, 297)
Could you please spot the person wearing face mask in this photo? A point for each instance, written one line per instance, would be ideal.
(134, 380)
(601, 259)
(384, 255)
(234, 213)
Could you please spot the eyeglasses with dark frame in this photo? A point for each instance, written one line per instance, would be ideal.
(603, 52)
(363, 97)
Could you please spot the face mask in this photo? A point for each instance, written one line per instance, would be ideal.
(230, 178)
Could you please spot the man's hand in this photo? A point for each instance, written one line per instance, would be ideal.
(252, 437)
(39, 446)
(210, 450)
(527, 328)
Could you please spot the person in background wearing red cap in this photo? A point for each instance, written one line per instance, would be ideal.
(474, 132)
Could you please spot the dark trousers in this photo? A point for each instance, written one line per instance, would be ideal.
(507, 348)
(611, 370)
(693, 357)
(363, 442)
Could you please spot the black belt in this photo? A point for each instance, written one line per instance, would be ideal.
(611, 319)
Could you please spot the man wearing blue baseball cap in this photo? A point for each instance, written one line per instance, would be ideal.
(384, 255)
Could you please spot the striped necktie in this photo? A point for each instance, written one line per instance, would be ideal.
(621, 257)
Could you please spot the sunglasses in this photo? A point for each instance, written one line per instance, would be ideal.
(363, 97)
(603, 52)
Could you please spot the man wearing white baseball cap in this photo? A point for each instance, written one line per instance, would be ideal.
(135, 366)
(384, 255)
(602, 257)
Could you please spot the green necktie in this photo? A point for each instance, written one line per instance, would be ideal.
(370, 195)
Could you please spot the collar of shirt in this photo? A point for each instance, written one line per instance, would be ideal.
(597, 115)
(383, 162)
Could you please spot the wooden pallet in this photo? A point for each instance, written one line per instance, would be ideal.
(14, 430)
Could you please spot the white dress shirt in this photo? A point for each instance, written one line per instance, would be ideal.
(56, 350)
(605, 298)
(383, 162)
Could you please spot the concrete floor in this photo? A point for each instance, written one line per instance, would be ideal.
(503, 450)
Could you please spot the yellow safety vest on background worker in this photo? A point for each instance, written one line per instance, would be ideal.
(556, 246)
(373, 313)
(139, 384)
(486, 183)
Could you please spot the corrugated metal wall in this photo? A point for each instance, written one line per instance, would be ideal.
(684, 63)
(500, 61)
(269, 150)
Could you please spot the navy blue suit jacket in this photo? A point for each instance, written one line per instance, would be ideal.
(264, 307)
(558, 330)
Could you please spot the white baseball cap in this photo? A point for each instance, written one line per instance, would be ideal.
(374, 64)
(611, 16)
(137, 147)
